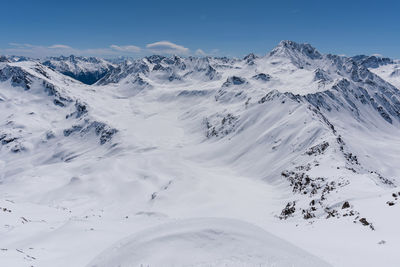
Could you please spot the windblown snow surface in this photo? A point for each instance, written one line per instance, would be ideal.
(289, 159)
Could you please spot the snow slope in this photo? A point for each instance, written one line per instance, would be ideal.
(294, 143)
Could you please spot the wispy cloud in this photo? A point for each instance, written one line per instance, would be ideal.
(20, 45)
(200, 52)
(60, 46)
(40, 51)
(126, 48)
(167, 47)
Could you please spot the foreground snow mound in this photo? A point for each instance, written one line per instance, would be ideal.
(205, 242)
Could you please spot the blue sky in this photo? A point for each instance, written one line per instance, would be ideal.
(226, 28)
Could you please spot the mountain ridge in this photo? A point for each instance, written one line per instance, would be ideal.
(293, 140)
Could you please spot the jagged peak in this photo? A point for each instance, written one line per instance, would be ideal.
(250, 56)
(249, 59)
(373, 61)
(287, 48)
(74, 59)
(154, 59)
(4, 59)
(14, 58)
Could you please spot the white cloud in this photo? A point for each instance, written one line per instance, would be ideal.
(377, 55)
(200, 52)
(60, 46)
(166, 47)
(40, 51)
(20, 45)
(126, 48)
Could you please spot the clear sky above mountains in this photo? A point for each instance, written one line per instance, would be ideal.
(227, 28)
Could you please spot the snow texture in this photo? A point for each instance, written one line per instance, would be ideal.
(285, 159)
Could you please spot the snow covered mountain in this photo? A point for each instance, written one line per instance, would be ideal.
(88, 70)
(386, 68)
(201, 161)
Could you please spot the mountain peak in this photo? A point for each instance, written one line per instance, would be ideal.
(288, 48)
(250, 58)
(3, 59)
(372, 61)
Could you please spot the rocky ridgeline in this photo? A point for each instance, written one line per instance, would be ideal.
(84, 124)
(169, 69)
(316, 195)
(40, 76)
(17, 76)
(221, 125)
(88, 70)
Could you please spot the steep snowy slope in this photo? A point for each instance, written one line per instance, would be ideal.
(295, 143)
(88, 70)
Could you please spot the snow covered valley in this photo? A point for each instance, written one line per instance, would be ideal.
(289, 159)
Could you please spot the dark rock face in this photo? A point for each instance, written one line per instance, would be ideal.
(390, 203)
(234, 80)
(346, 205)
(321, 75)
(194, 93)
(211, 73)
(364, 221)
(222, 127)
(101, 129)
(159, 67)
(318, 149)
(262, 76)
(6, 140)
(270, 96)
(155, 59)
(140, 81)
(123, 71)
(73, 129)
(4, 59)
(288, 211)
(18, 76)
(70, 66)
(80, 110)
(362, 87)
(174, 77)
(58, 103)
(250, 58)
(86, 77)
(371, 61)
(52, 90)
